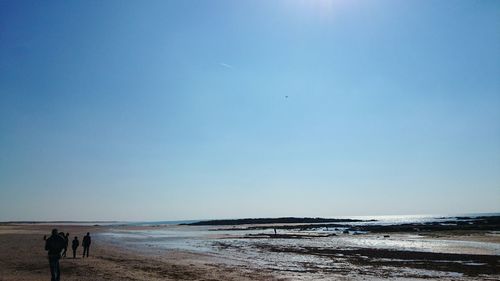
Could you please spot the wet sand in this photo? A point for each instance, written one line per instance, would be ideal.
(22, 257)
(467, 265)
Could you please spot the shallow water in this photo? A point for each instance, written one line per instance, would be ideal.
(232, 247)
(201, 238)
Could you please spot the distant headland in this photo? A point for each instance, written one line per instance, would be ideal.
(282, 220)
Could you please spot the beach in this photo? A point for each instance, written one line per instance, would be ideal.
(173, 252)
(22, 257)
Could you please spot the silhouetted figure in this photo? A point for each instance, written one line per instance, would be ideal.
(86, 244)
(275, 232)
(44, 237)
(75, 245)
(54, 245)
(66, 240)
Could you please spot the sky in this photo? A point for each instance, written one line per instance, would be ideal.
(172, 110)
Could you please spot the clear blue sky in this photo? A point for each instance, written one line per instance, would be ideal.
(162, 110)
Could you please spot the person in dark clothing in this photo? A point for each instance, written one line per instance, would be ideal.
(75, 245)
(66, 240)
(54, 245)
(86, 244)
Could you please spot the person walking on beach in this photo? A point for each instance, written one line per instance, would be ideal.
(54, 245)
(86, 244)
(66, 241)
(74, 246)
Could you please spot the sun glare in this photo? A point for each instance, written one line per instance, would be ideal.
(318, 8)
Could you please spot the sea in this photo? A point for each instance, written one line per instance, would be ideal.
(233, 246)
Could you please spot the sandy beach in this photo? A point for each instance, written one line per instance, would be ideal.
(22, 257)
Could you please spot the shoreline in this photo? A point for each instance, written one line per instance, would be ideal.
(114, 259)
(22, 257)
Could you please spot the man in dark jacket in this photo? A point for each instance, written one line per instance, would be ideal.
(54, 245)
(74, 246)
(86, 244)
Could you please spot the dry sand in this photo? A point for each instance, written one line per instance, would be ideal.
(22, 257)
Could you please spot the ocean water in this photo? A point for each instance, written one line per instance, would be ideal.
(402, 219)
(172, 235)
(203, 239)
(384, 220)
(160, 238)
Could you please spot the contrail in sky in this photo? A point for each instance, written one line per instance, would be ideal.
(225, 65)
